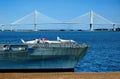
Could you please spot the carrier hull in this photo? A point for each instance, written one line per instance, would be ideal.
(41, 57)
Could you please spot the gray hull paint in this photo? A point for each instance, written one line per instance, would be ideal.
(42, 58)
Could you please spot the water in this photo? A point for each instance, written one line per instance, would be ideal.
(103, 54)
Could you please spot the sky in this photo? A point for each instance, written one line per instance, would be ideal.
(12, 10)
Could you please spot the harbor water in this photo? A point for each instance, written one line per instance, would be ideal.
(103, 54)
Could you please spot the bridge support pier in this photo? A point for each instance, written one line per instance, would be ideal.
(2, 28)
(91, 27)
(114, 27)
(35, 20)
(11, 29)
(35, 27)
(91, 20)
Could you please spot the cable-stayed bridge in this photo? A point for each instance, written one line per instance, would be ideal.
(91, 18)
(36, 18)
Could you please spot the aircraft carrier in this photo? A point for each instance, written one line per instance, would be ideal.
(48, 56)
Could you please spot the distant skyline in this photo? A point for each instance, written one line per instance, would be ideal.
(12, 10)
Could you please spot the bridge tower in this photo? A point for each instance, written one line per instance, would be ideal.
(11, 27)
(35, 21)
(114, 27)
(91, 20)
(2, 29)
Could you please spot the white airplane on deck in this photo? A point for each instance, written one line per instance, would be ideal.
(50, 42)
(65, 41)
(36, 41)
(44, 40)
